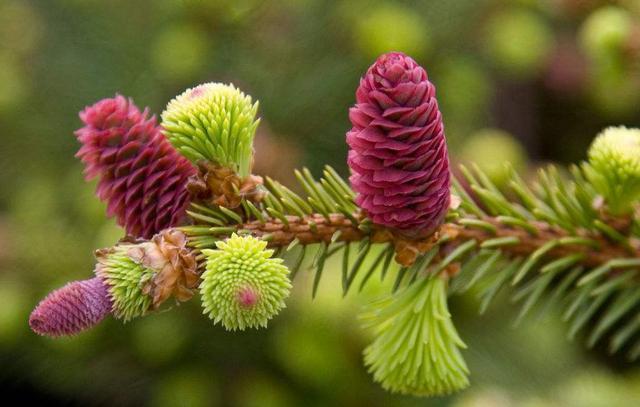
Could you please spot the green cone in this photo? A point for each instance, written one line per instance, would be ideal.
(213, 122)
(243, 287)
(614, 167)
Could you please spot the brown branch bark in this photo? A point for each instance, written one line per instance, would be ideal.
(281, 234)
(303, 229)
(529, 243)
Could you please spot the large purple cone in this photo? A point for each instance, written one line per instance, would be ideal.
(142, 177)
(71, 309)
(398, 155)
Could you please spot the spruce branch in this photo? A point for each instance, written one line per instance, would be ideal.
(568, 239)
(488, 232)
(544, 238)
(512, 228)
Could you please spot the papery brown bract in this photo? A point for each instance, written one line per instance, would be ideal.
(398, 152)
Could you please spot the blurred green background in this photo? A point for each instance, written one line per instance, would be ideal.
(524, 81)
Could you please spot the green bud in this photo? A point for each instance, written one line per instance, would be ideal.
(417, 348)
(213, 122)
(614, 167)
(125, 279)
(242, 285)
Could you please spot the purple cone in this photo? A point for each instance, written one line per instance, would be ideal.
(142, 177)
(71, 309)
(398, 152)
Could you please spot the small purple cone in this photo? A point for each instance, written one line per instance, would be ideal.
(71, 309)
(398, 152)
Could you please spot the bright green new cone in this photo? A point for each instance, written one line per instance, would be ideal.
(213, 122)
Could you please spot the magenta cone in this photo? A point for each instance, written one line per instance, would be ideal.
(141, 176)
(71, 309)
(398, 152)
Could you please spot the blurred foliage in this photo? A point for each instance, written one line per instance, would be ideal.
(544, 75)
(518, 41)
(494, 151)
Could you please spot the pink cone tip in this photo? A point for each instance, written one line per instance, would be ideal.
(248, 297)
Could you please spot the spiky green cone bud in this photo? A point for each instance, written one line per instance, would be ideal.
(417, 348)
(243, 287)
(614, 167)
(141, 276)
(125, 279)
(213, 122)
